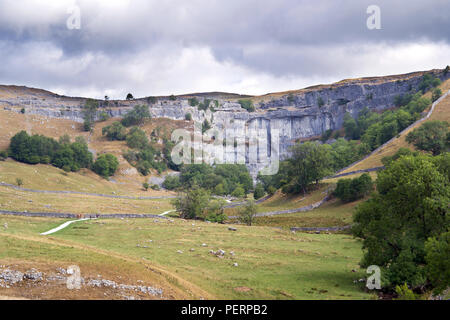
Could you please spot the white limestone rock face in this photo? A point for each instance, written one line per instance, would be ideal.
(292, 117)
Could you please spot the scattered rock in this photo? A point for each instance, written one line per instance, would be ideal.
(232, 229)
(204, 245)
(235, 264)
(5, 225)
(33, 275)
(179, 251)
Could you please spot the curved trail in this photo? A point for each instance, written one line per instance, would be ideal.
(64, 225)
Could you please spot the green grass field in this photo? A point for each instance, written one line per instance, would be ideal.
(272, 263)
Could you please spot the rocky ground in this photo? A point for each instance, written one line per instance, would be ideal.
(61, 283)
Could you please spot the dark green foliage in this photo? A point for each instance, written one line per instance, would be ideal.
(320, 102)
(145, 185)
(437, 257)
(104, 116)
(40, 149)
(137, 138)
(89, 112)
(215, 211)
(310, 162)
(193, 203)
(247, 104)
(105, 165)
(188, 116)
(172, 98)
(428, 82)
(446, 70)
(411, 206)
(129, 96)
(369, 96)
(247, 213)
(136, 116)
(326, 135)
(171, 182)
(229, 176)
(115, 131)
(432, 136)
(400, 153)
(349, 190)
(193, 102)
(206, 126)
(291, 98)
(437, 93)
(22, 110)
(390, 123)
(352, 130)
(145, 159)
(3, 155)
(204, 105)
(259, 191)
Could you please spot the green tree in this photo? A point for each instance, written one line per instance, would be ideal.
(431, 136)
(145, 185)
(438, 261)
(106, 165)
(247, 104)
(115, 131)
(193, 203)
(310, 162)
(247, 213)
(137, 138)
(89, 112)
(437, 93)
(411, 205)
(259, 191)
(238, 192)
(136, 116)
(215, 211)
(129, 96)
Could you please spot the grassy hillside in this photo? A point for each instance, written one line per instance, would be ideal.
(271, 263)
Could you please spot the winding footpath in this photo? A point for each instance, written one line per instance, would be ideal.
(64, 225)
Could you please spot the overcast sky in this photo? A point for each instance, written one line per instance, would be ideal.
(244, 46)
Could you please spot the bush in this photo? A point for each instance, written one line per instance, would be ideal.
(247, 213)
(349, 190)
(188, 116)
(106, 165)
(247, 105)
(436, 94)
(129, 96)
(171, 182)
(259, 191)
(3, 155)
(137, 138)
(145, 185)
(155, 187)
(320, 102)
(115, 131)
(89, 112)
(22, 110)
(438, 261)
(19, 182)
(193, 102)
(432, 136)
(136, 116)
(193, 203)
(172, 98)
(238, 192)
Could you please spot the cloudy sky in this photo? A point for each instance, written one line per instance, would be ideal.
(167, 47)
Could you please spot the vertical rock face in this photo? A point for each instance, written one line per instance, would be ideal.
(279, 120)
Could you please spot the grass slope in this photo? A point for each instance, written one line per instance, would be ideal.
(272, 263)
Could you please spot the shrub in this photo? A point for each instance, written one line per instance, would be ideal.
(155, 187)
(129, 96)
(89, 112)
(106, 165)
(151, 100)
(247, 104)
(436, 94)
(193, 102)
(104, 116)
(193, 203)
(137, 138)
(172, 98)
(238, 192)
(22, 110)
(19, 182)
(259, 191)
(247, 213)
(431, 136)
(438, 261)
(115, 131)
(320, 102)
(136, 116)
(145, 185)
(3, 155)
(348, 190)
(188, 116)
(171, 182)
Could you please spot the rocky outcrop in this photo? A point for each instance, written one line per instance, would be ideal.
(289, 116)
